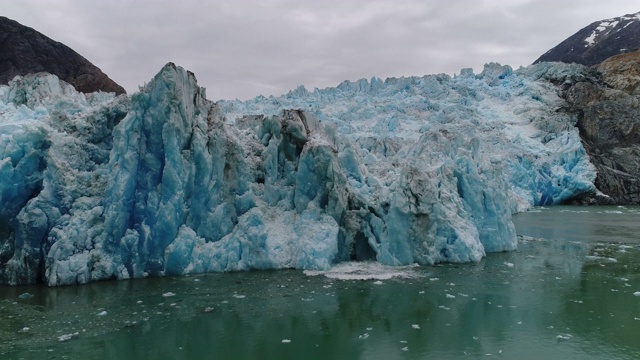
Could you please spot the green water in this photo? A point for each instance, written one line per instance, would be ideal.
(566, 293)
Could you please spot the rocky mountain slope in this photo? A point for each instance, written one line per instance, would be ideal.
(598, 41)
(607, 104)
(23, 50)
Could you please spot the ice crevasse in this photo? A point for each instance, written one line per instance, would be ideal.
(165, 182)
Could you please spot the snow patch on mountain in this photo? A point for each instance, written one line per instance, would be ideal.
(608, 25)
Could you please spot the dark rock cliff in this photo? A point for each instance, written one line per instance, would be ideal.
(24, 50)
(608, 109)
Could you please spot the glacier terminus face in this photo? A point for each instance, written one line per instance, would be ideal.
(165, 182)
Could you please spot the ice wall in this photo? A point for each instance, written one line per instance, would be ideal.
(410, 170)
(516, 116)
(54, 147)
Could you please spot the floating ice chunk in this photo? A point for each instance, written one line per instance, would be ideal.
(508, 264)
(367, 270)
(24, 330)
(378, 282)
(25, 296)
(168, 294)
(406, 348)
(637, 293)
(67, 337)
(562, 337)
(239, 296)
(102, 313)
(286, 341)
(415, 326)
(449, 296)
(601, 258)
(363, 336)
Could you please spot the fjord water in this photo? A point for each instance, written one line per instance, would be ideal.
(570, 291)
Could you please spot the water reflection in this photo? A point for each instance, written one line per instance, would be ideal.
(602, 307)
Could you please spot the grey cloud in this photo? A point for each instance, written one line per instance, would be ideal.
(244, 48)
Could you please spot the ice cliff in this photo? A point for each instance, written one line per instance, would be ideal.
(409, 170)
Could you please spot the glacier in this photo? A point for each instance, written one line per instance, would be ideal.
(166, 182)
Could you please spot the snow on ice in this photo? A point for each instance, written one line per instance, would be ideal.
(165, 182)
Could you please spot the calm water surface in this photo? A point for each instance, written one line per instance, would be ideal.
(566, 293)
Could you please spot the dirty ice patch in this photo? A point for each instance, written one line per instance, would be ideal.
(367, 271)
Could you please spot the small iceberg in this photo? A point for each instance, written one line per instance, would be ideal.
(26, 296)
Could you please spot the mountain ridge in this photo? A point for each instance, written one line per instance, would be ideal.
(598, 41)
(24, 50)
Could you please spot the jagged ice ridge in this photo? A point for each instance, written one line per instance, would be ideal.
(165, 182)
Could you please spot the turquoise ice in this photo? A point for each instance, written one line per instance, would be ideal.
(165, 182)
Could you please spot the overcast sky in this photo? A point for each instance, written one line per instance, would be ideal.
(243, 48)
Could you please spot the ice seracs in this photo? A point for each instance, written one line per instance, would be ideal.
(165, 182)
